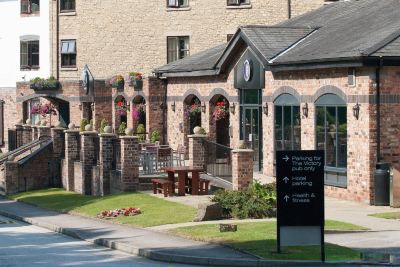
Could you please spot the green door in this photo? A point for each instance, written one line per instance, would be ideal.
(252, 132)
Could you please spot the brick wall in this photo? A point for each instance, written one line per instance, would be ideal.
(242, 168)
(108, 43)
(8, 95)
(197, 151)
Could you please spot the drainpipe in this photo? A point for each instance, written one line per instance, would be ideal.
(289, 9)
(378, 109)
(57, 41)
(165, 105)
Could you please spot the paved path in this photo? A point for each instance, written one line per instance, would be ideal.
(27, 245)
(129, 239)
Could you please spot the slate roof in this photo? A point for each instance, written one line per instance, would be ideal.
(204, 60)
(345, 30)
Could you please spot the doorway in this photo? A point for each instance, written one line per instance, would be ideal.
(251, 121)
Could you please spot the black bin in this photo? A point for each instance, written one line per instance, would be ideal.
(382, 184)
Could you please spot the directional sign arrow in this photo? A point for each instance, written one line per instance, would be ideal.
(286, 180)
(286, 198)
(286, 158)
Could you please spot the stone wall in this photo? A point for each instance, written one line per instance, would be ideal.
(108, 43)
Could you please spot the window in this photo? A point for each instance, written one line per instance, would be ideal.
(67, 5)
(287, 123)
(178, 48)
(351, 75)
(68, 53)
(30, 6)
(177, 3)
(237, 2)
(29, 55)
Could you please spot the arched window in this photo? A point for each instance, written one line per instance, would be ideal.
(331, 130)
(287, 123)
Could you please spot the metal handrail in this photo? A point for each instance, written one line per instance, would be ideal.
(217, 144)
(24, 148)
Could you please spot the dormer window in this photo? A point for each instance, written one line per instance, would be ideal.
(30, 6)
(237, 2)
(177, 3)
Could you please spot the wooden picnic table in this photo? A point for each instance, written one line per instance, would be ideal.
(183, 172)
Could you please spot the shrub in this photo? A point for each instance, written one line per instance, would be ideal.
(155, 136)
(141, 132)
(257, 201)
(122, 128)
(84, 122)
(202, 131)
(103, 124)
(44, 84)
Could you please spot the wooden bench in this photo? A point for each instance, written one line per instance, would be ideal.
(162, 186)
(203, 186)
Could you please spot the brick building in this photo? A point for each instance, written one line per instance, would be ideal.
(97, 40)
(327, 80)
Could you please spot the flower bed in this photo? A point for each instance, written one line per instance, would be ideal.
(119, 212)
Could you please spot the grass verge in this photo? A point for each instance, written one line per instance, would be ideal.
(387, 215)
(260, 239)
(155, 211)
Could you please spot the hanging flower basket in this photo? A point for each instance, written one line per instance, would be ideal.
(138, 111)
(38, 84)
(136, 80)
(117, 82)
(193, 109)
(220, 111)
(120, 108)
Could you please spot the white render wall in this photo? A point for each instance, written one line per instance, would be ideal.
(12, 27)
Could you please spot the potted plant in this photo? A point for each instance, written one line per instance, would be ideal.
(117, 82)
(120, 108)
(122, 128)
(136, 80)
(220, 111)
(141, 133)
(155, 136)
(44, 84)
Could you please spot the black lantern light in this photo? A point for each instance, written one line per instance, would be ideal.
(265, 109)
(232, 108)
(305, 110)
(173, 106)
(356, 111)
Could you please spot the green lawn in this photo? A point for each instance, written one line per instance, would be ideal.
(260, 239)
(387, 215)
(155, 211)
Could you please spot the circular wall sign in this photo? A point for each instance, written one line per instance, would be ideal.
(247, 70)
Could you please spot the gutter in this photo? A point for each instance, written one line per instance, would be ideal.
(57, 41)
(289, 9)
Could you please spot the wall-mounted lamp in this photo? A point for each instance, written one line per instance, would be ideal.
(356, 111)
(265, 108)
(232, 108)
(128, 106)
(80, 106)
(305, 110)
(203, 108)
(173, 106)
(92, 106)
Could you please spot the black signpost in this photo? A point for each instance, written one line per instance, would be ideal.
(300, 198)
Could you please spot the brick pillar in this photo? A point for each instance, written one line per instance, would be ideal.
(20, 131)
(44, 131)
(11, 185)
(34, 132)
(27, 134)
(71, 155)
(242, 168)
(106, 159)
(129, 163)
(57, 134)
(197, 151)
(87, 159)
